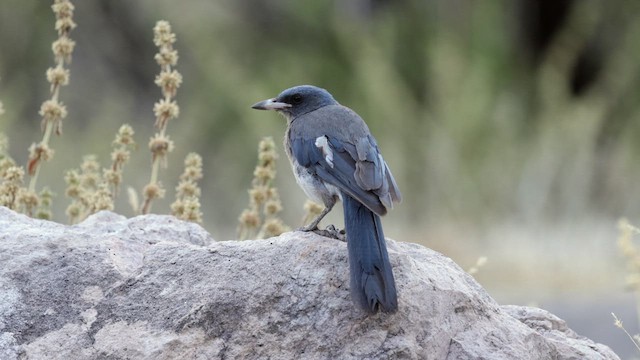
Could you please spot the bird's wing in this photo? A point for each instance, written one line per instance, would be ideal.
(357, 169)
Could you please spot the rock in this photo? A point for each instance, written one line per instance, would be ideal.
(153, 287)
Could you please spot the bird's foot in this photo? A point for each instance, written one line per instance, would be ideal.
(332, 232)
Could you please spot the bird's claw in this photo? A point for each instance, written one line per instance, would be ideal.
(332, 232)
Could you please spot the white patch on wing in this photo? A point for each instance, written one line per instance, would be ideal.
(323, 145)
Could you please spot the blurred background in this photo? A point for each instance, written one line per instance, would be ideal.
(511, 126)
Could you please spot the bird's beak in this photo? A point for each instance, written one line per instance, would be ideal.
(270, 104)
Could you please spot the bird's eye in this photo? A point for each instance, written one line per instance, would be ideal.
(296, 98)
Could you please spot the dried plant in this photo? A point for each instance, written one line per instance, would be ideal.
(122, 146)
(11, 175)
(11, 185)
(165, 109)
(5, 159)
(261, 219)
(88, 191)
(52, 110)
(187, 204)
(635, 339)
(90, 187)
(44, 205)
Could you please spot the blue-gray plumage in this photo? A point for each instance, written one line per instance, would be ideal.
(334, 156)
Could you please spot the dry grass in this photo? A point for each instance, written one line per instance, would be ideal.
(260, 220)
(92, 188)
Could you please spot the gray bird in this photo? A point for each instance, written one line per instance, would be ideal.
(334, 156)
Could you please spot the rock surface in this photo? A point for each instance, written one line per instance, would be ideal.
(153, 287)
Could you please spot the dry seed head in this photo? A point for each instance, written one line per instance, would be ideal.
(166, 110)
(188, 210)
(272, 207)
(101, 199)
(169, 82)
(72, 191)
(264, 174)
(166, 57)
(89, 164)
(90, 177)
(274, 227)
(125, 135)
(65, 25)
(10, 186)
(52, 110)
(272, 193)
(193, 160)
(46, 196)
(162, 35)
(43, 214)
(617, 322)
(6, 163)
(258, 195)
(41, 151)
(28, 198)
(160, 145)
(192, 203)
(73, 211)
(178, 209)
(249, 219)
(119, 157)
(62, 49)
(38, 153)
(63, 9)
(187, 189)
(6, 199)
(187, 204)
(57, 76)
(153, 191)
(267, 158)
(192, 168)
(72, 177)
(266, 144)
(112, 177)
(191, 173)
(90, 180)
(14, 174)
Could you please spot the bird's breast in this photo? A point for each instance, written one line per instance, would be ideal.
(314, 187)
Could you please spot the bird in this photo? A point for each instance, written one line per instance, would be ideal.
(334, 157)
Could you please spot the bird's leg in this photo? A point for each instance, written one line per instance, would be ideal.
(314, 224)
(330, 231)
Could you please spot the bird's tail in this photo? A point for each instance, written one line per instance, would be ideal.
(372, 285)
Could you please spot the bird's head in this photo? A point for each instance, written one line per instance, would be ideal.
(297, 101)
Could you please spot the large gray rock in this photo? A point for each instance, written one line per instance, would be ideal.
(153, 287)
